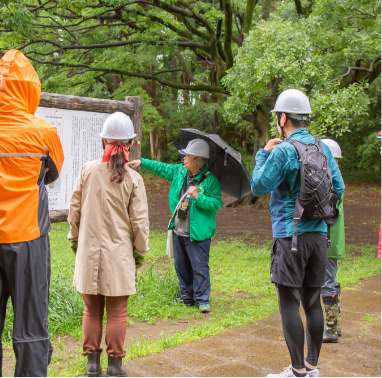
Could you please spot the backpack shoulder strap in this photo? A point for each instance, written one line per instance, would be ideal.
(297, 215)
(301, 148)
(298, 209)
(318, 144)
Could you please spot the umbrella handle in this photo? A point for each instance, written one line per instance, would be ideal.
(225, 156)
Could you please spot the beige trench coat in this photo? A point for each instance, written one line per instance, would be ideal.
(110, 222)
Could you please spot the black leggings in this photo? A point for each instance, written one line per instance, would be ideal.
(289, 303)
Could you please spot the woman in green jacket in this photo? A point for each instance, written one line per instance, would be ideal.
(194, 221)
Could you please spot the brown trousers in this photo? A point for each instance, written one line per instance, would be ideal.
(116, 309)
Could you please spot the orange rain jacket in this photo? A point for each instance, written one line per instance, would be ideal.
(28, 145)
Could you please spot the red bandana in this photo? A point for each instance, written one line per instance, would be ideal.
(112, 148)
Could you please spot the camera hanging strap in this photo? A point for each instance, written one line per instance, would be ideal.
(202, 178)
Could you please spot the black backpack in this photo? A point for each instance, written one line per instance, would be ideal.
(317, 199)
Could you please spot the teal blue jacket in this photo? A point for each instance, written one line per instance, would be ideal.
(271, 172)
(203, 209)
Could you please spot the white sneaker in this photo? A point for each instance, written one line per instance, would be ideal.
(313, 373)
(287, 372)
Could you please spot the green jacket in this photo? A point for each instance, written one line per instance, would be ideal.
(203, 209)
(337, 234)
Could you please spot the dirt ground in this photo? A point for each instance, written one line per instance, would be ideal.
(258, 349)
(362, 207)
(66, 348)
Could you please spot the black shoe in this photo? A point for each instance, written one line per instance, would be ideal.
(329, 338)
(339, 331)
(94, 365)
(115, 367)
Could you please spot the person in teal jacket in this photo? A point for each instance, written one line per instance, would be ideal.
(298, 276)
(331, 290)
(194, 221)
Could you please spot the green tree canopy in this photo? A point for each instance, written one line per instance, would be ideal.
(217, 65)
(333, 56)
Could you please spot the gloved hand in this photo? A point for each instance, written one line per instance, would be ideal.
(73, 245)
(139, 259)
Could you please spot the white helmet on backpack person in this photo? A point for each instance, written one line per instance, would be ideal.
(334, 147)
(118, 127)
(293, 102)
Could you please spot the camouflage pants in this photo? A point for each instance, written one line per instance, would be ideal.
(331, 313)
(331, 297)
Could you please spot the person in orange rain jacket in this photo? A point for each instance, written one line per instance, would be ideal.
(31, 156)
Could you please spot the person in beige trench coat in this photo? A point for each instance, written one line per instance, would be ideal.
(108, 216)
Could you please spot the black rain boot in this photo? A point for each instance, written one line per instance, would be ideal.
(338, 290)
(331, 316)
(115, 367)
(329, 337)
(94, 365)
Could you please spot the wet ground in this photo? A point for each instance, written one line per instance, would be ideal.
(259, 349)
(256, 349)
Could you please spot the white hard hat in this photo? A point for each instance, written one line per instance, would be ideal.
(293, 102)
(197, 147)
(118, 126)
(334, 147)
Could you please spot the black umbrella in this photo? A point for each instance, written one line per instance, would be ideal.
(224, 162)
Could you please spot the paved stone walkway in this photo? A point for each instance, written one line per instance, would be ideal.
(259, 349)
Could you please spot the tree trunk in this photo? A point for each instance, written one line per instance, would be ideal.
(261, 137)
(136, 118)
(249, 15)
(164, 139)
(262, 201)
(154, 134)
(214, 99)
(244, 140)
(204, 94)
(186, 100)
(215, 118)
(205, 97)
(266, 9)
(256, 147)
(174, 63)
(261, 129)
(154, 144)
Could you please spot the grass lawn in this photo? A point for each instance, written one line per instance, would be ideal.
(241, 292)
